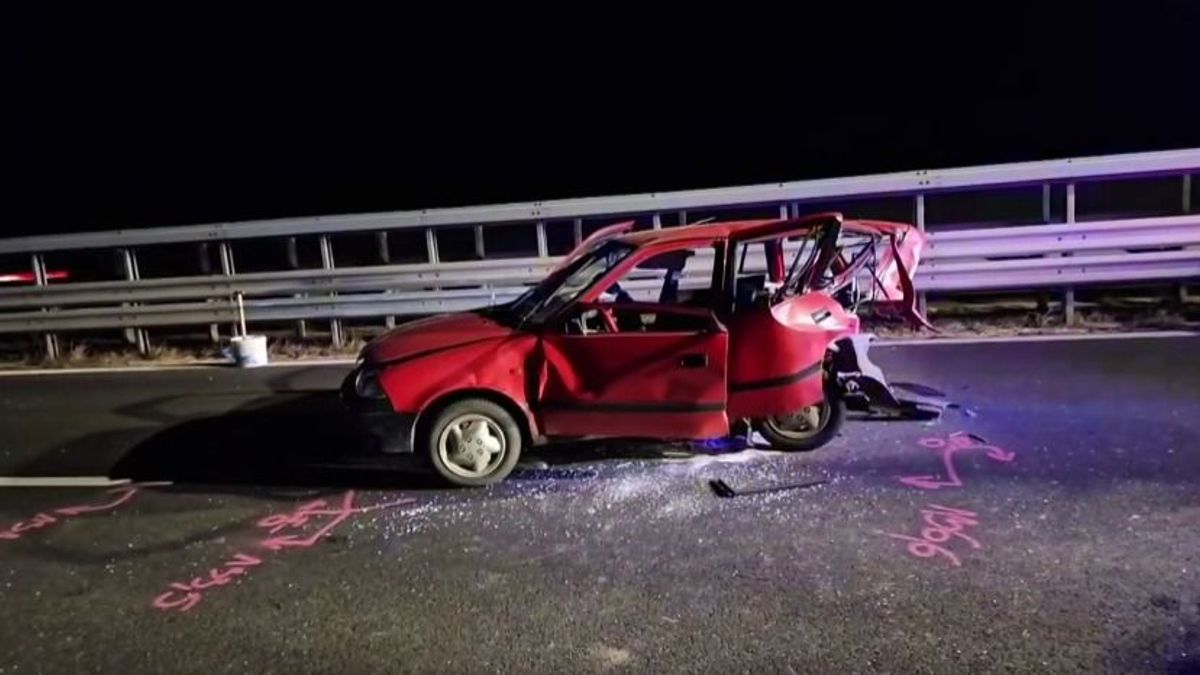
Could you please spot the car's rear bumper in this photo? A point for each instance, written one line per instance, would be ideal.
(384, 428)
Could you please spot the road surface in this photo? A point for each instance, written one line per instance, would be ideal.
(1050, 522)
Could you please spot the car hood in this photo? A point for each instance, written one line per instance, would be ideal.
(432, 335)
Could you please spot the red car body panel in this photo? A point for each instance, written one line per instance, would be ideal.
(428, 359)
(30, 277)
(796, 342)
(896, 262)
(631, 384)
(434, 334)
(685, 384)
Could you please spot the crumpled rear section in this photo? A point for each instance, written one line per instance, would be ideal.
(894, 266)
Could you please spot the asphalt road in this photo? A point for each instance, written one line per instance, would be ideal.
(1063, 536)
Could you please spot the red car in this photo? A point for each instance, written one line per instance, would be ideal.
(31, 278)
(680, 333)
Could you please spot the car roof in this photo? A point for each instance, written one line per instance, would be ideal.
(721, 230)
(751, 229)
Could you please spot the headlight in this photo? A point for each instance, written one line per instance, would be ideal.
(366, 384)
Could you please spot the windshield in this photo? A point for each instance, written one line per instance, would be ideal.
(568, 283)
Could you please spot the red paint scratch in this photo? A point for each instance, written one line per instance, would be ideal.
(184, 596)
(44, 519)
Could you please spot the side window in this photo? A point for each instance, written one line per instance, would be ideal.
(678, 277)
(668, 292)
(754, 279)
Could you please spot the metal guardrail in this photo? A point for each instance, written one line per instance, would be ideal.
(1053, 255)
(1106, 251)
(1063, 255)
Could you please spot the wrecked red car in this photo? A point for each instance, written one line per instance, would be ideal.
(683, 333)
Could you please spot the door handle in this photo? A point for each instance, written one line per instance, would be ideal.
(693, 361)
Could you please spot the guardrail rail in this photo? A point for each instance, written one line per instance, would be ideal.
(1057, 255)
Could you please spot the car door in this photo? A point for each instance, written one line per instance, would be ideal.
(668, 382)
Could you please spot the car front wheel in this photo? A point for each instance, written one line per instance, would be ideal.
(473, 442)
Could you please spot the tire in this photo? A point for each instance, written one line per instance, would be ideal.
(831, 412)
(473, 442)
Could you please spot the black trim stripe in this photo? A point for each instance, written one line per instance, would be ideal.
(630, 407)
(429, 352)
(804, 374)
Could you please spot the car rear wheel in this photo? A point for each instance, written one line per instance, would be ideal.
(473, 442)
(806, 429)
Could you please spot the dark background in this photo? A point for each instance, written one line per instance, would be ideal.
(110, 130)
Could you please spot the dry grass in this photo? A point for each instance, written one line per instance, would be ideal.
(1012, 318)
(295, 350)
(81, 355)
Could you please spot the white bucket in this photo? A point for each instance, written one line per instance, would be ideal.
(249, 351)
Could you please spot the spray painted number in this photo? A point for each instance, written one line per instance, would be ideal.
(940, 525)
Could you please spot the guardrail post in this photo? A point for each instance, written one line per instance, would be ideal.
(127, 269)
(206, 268)
(683, 217)
(385, 256)
(1043, 300)
(225, 252)
(543, 247)
(578, 231)
(431, 247)
(227, 265)
(1182, 291)
(480, 250)
(656, 221)
(1069, 294)
(40, 278)
(783, 211)
(202, 258)
(919, 217)
(335, 325)
(143, 337)
(137, 336)
(292, 250)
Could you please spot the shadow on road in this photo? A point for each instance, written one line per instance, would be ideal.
(302, 439)
(293, 439)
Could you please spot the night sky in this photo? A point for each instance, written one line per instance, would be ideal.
(109, 132)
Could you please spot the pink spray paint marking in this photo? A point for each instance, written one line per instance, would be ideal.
(190, 593)
(955, 442)
(940, 525)
(183, 596)
(943, 525)
(43, 520)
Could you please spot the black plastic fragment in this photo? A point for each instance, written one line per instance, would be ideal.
(725, 491)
